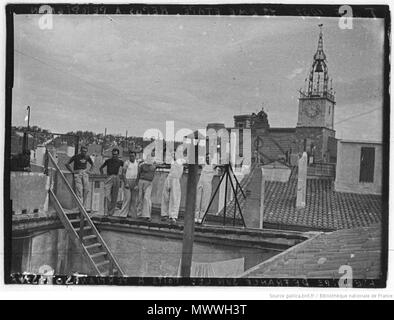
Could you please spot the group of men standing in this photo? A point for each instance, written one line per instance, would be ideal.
(137, 180)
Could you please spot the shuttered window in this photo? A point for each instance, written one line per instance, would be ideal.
(367, 164)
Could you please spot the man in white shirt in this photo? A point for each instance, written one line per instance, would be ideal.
(130, 187)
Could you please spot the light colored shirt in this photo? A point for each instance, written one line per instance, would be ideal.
(207, 173)
(131, 169)
(176, 169)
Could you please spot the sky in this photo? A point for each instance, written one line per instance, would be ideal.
(133, 73)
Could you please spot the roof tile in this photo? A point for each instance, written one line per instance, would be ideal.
(324, 259)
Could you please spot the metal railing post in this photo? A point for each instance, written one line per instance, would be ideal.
(225, 198)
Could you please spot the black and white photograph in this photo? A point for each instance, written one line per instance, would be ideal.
(197, 145)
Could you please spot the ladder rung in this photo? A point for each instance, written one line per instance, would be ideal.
(84, 228)
(102, 263)
(94, 245)
(71, 212)
(99, 254)
(75, 220)
(106, 273)
(92, 236)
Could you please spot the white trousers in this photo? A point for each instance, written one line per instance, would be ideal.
(171, 198)
(203, 196)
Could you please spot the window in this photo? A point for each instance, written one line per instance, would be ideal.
(367, 164)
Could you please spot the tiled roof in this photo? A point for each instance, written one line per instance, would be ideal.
(325, 208)
(323, 255)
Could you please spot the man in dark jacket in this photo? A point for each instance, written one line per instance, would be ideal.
(114, 171)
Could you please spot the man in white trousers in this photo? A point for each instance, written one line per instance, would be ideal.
(204, 189)
(130, 187)
(171, 196)
(146, 175)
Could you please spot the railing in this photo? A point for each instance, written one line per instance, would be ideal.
(317, 94)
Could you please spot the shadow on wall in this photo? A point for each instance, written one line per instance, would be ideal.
(139, 255)
(28, 192)
(52, 248)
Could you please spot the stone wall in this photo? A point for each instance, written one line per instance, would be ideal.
(251, 209)
(139, 254)
(155, 256)
(276, 174)
(324, 112)
(52, 248)
(273, 143)
(316, 136)
(29, 191)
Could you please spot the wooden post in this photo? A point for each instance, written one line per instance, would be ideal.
(28, 118)
(235, 203)
(76, 145)
(188, 230)
(126, 145)
(262, 197)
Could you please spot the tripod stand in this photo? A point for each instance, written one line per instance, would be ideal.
(227, 175)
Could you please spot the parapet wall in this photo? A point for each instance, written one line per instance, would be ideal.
(326, 170)
(28, 192)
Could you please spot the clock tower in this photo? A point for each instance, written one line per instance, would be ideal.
(316, 109)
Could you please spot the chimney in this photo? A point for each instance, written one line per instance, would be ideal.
(301, 184)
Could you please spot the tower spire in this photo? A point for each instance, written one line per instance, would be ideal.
(320, 55)
(318, 76)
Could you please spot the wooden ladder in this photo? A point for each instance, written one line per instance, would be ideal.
(82, 228)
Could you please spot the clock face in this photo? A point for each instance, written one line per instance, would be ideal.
(312, 110)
